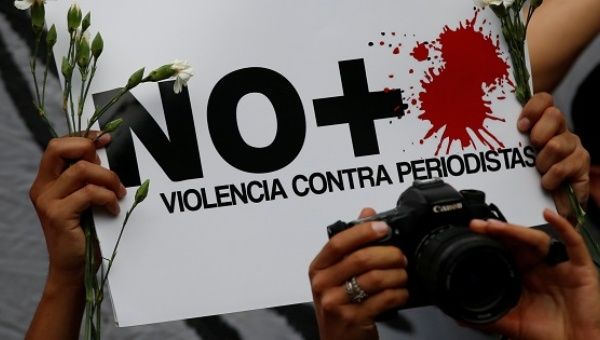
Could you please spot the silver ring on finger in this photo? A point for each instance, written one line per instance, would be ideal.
(354, 291)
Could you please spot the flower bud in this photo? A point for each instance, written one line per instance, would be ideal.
(142, 192)
(86, 22)
(535, 3)
(38, 14)
(73, 18)
(66, 69)
(97, 46)
(112, 125)
(135, 79)
(51, 37)
(83, 54)
(161, 73)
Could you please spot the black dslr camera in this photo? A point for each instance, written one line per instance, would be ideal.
(471, 277)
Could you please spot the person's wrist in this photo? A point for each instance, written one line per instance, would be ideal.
(60, 280)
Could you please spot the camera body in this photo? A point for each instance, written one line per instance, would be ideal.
(471, 277)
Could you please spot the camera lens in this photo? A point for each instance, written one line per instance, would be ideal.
(469, 276)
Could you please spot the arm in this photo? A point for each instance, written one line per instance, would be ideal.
(59, 313)
(559, 30)
(59, 197)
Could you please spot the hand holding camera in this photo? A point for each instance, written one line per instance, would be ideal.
(488, 274)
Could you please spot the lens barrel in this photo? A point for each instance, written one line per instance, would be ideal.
(471, 277)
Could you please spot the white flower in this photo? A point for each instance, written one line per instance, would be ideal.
(484, 3)
(25, 4)
(183, 73)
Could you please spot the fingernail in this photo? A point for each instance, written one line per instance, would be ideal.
(104, 139)
(380, 228)
(405, 261)
(115, 210)
(524, 124)
(493, 221)
(98, 161)
(551, 212)
(477, 223)
(122, 191)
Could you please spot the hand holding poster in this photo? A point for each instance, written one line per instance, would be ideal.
(300, 114)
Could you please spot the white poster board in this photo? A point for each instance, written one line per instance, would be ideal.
(369, 94)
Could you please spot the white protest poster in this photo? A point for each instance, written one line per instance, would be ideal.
(299, 114)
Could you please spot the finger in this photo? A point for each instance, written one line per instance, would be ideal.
(576, 249)
(82, 173)
(60, 150)
(376, 281)
(573, 167)
(551, 123)
(359, 262)
(372, 283)
(92, 195)
(366, 212)
(347, 241)
(102, 141)
(533, 111)
(517, 235)
(384, 301)
(555, 150)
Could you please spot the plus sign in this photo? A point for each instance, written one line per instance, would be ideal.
(358, 107)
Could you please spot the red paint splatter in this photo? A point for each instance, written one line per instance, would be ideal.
(396, 50)
(459, 111)
(381, 43)
(413, 102)
(420, 52)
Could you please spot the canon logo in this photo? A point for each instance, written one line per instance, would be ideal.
(446, 208)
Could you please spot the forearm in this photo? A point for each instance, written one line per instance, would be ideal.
(559, 30)
(60, 310)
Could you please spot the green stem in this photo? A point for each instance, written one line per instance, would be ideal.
(48, 124)
(33, 66)
(89, 275)
(86, 91)
(114, 253)
(81, 98)
(70, 96)
(45, 78)
(65, 105)
(101, 111)
(102, 133)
